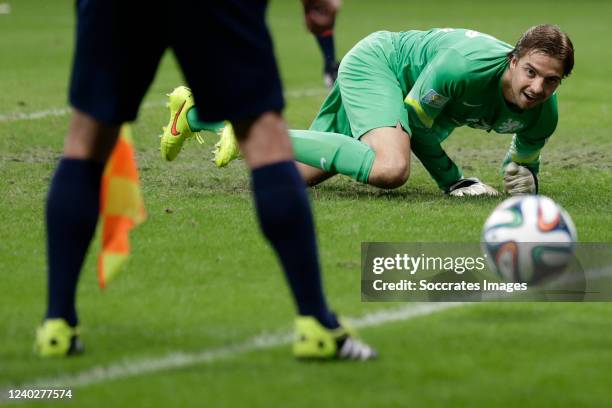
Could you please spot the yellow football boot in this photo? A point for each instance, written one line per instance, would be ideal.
(178, 130)
(315, 342)
(226, 149)
(55, 338)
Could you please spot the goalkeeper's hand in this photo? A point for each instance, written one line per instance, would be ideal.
(519, 180)
(471, 187)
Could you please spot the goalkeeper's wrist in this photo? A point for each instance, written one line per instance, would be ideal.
(535, 179)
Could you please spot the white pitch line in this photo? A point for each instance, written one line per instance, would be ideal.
(25, 116)
(18, 116)
(138, 367)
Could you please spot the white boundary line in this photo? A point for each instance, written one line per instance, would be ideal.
(25, 116)
(144, 366)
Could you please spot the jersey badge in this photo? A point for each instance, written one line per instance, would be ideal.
(510, 126)
(434, 99)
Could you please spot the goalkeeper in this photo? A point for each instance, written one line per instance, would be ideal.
(404, 92)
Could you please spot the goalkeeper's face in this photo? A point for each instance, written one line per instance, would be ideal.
(533, 79)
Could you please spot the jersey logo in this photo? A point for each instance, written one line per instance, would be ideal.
(510, 126)
(323, 163)
(470, 105)
(478, 124)
(434, 99)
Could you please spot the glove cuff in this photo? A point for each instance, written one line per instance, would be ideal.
(535, 179)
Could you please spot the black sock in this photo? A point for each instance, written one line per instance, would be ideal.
(286, 220)
(72, 214)
(328, 48)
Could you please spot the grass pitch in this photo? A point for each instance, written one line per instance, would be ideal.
(201, 279)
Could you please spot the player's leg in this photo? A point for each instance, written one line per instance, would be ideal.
(313, 175)
(284, 211)
(250, 96)
(367, 104)
(286, 220)
(372, 98)
(320, 155)
(104, 94)
(323, 154)
(71, 217)
(327, 46)
(391, 167)
(381, 158)
(252, 103)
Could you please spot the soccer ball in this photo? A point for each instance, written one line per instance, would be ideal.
(528, 239)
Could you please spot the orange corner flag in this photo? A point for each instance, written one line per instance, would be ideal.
(121, 207)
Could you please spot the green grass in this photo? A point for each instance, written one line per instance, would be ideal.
(201, 276)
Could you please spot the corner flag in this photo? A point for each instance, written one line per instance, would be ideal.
(121, 207)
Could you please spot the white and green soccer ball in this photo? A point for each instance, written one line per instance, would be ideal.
(528, 239)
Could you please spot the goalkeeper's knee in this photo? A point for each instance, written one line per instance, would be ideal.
(390, 173)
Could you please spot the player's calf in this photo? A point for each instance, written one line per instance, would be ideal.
(264, 141)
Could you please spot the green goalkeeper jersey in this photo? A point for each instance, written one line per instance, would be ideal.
(451, 78)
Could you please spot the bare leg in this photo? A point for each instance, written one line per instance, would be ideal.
(88, 139)
(391, 167)
(264, 141)
(312, 175)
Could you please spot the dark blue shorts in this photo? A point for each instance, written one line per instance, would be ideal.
(223, 47)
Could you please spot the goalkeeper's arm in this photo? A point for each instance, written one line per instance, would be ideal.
(445, 172)
(524, 153)
(435, 160)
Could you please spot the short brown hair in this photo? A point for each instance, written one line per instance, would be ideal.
(547, 39)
